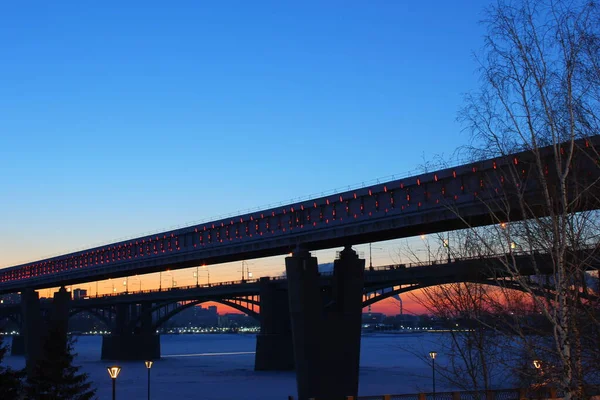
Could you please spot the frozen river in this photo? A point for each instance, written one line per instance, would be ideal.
(221, 366)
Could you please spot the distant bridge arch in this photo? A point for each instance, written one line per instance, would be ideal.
(381, 294)
(107, 321)
(226, 302)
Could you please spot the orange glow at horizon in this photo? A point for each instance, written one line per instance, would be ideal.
(386, 253)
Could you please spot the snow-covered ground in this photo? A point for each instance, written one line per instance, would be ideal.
(221, 366)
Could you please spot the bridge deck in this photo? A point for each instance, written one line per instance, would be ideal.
(431, 202)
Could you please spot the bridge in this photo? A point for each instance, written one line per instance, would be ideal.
(245, 295)
(427, 203)
(325, 324)
(128, 313)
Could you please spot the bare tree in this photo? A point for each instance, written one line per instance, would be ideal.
(540, 94)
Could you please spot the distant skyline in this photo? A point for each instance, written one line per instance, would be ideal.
(118, 119)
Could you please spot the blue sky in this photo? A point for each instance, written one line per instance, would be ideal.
(117, 119)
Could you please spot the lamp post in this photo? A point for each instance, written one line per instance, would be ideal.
(196, 276)
(426, 240)
(207, 273)
(148, 366)
(516, 247)
(446, 243)
(432, 355)
(371, 255)
(538, 367)
(114, 372)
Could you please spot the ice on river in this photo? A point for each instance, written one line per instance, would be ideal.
(221, 366)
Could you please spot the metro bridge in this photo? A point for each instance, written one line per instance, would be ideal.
(427, 203)
(325, 325)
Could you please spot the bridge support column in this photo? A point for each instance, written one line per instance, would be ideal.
(326, 329)
(59, 316)
(146, 319)
(274, 347)
(33, 328)
(125, 345)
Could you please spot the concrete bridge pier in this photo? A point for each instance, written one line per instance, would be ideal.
(33, 328)
(131, 344)
(326, 326)
(274, 347)
(59, 314)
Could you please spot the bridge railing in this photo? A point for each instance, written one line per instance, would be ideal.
(517, 253)
(188, 287)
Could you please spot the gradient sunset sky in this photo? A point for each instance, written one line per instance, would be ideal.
(117, 119)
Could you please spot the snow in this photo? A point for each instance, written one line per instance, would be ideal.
(221, 366)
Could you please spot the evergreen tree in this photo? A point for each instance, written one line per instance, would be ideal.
(54, 376)
(10, 380)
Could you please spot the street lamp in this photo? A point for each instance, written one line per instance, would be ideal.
(540, 371)
(148, 366)
(114, 372)
(208, 274)
(432, 355)
(446, 243)
(426, 240)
